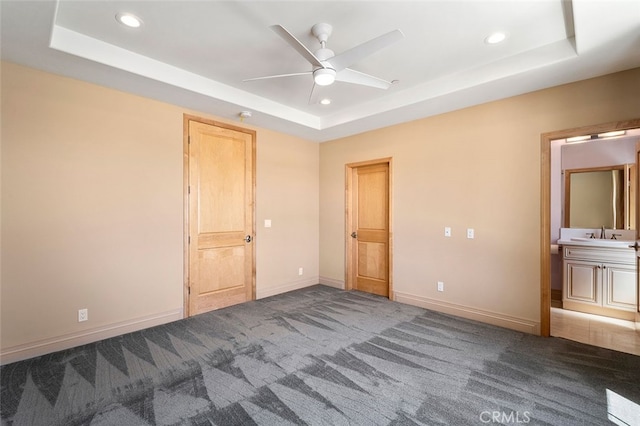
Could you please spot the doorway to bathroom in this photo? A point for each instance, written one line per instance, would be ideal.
(553, 218)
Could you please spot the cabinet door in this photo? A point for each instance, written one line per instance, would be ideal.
(582, 282)
(619, 286)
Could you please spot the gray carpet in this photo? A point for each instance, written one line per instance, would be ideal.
(322, 356)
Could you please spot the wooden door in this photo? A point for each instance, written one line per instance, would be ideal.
(368, 247)
(220, 215)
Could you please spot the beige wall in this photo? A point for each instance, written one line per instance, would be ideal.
(92, 204)
(473, 168)
(288, 185)
(92, 211)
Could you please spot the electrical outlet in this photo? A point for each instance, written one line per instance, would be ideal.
(300, 271)
(470, 233)
(440, 286)
(83, 315)
(267, 223)
(447, 231)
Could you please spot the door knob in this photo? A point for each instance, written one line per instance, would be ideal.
(354, 235)
(248, 238)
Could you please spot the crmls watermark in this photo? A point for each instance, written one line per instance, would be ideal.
(503, 417)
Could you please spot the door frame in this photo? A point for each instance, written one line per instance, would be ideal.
(545, 207)
(185, 197)
(349, 170)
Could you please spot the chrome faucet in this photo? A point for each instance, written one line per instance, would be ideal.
(602, 235)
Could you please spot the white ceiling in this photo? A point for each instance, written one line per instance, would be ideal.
(196, 54)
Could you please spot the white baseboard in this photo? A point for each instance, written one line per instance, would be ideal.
(45, 346)
(493, 318)
(332, 282)
(295, 285)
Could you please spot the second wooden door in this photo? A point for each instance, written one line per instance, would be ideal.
(368, 217)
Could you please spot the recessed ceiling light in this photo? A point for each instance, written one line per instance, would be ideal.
(129, 20)
(495, 38)
(325, 101)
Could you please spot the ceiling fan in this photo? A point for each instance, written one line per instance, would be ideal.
(329, 67)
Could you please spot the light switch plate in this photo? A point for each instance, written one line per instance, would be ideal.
(447, 231)
(470, 233)
(267, 223)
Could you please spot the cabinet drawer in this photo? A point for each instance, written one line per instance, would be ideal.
(599, 254)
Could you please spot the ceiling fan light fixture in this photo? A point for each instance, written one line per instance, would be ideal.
(128, 19)
(324, 76)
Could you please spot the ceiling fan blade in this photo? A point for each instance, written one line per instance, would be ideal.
(348, 75)
(353, 55)
(314, 95)
(278, 76)
(296, 44)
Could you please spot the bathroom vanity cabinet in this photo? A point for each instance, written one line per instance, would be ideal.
(600, 280)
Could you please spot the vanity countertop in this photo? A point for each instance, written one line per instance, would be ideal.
(581, 237)
(596, 242)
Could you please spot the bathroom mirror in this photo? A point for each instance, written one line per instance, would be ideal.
(602, 196)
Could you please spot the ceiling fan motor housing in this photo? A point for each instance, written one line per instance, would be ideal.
(324, 76)
(323, 54)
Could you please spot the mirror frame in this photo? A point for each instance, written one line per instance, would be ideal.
(567, 192)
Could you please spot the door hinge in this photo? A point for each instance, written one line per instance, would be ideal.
(189, 189)
(189, 239)
(188, 139)
(189, 289)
